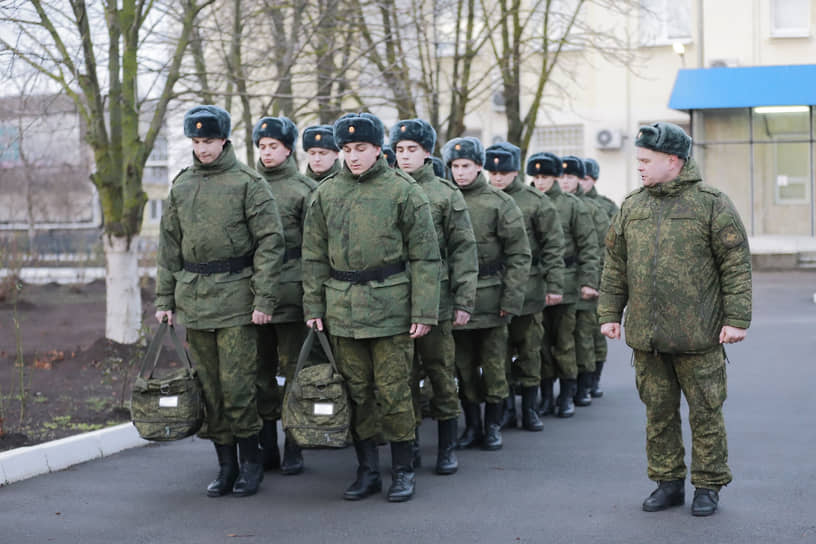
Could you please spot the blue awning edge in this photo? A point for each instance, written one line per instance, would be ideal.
(744, 87)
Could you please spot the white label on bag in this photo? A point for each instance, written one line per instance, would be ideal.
(168, 402)
(323, 408)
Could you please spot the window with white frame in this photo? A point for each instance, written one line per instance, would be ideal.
(790, 18)
(663, 22)
(154, 210)
(559, 139)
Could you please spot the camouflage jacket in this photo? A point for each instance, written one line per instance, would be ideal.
(356, 223)
(546, 245)
(292, 191)
(320, 177)
(607, 204)
(581, 255)
(457, 244)
(677, 258)
(601, 221)
(502, 245)
(215, 212)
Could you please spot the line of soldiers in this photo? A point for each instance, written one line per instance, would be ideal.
(480, 289)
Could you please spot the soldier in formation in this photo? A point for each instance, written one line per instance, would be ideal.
(280, 341)
(321, 151)
(221, 250)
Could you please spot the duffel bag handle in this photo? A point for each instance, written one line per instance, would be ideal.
(151, 357)
(307, 348)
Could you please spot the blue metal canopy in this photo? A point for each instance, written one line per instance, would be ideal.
(709, 88)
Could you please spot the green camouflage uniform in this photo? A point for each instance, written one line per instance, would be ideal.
(336, 167)
(581, 260)
(458, 274)
(504, 264)
(218, 211)
(677, 258)
(279, 343)
(526, 331)
(586, 316)
(610, 208)
(358, 223)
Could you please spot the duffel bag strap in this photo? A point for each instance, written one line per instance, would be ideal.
(151, 357)
(306, 349)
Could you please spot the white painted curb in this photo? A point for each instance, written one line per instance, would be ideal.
(22, 463)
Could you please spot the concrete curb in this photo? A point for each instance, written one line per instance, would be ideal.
(22, 463)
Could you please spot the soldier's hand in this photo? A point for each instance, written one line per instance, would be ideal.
(553, 299)
(260, 318)
(162, 314)
(731, 335)
(418, 330)
(588, 293)
(315, 323)
(611, 330)
(460, 318)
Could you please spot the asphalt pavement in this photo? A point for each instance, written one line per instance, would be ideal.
(580, 480)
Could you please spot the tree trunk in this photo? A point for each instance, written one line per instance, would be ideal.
(123, 315)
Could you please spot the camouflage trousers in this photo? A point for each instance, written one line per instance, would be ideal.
(378, 375)
(484, 349)
(660, 379)
(278, 349)
(600, 343)
(227, 364)
(558, 348)
(525, 336)
(434, 358)
(586, 323)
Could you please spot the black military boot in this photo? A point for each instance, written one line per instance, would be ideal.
(416, 453)
(565, 393)
(368, 479)
(668, 493)
(292, 457)
(227, 472)
(529, 418)
(493, 437)
(472, 436)
(268, 438)
(582, 396)
(509, 418)
(547, 405)
(596, 390)
(446, 461)
(705, 502)
(403, 478)
(252, 472)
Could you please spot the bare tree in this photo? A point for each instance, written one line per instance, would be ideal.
(96, 54)
(532, 39)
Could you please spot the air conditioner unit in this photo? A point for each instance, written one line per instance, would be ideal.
(607, 138)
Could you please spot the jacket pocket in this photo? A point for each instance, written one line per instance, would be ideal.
(390, 301)
(488, 295)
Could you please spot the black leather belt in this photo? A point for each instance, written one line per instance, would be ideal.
(292, 253)
(490, 269)
(364, 276)
(570, 261)
(232, 265)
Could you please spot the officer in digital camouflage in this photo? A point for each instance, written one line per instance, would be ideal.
(321, 151)
(371, 276)
(581, 279)
(413, 141)
(526, 330)
(586, 320)
(677, 259)
(593, 170)
(220, 253)
(504, 268)
(279, 342)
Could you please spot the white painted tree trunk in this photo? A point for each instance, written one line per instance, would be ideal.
(123, 317)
